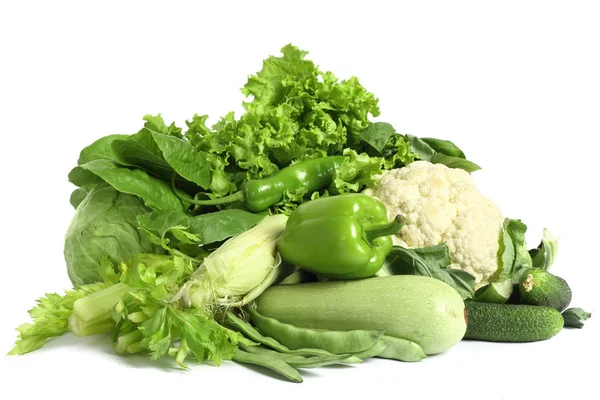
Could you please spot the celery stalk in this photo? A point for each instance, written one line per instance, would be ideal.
(91, 314)
(129, 343)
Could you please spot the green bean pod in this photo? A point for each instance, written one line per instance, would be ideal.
(234, 322)
(270, 362)
(401, 349)
(298, 361)
(336, 342)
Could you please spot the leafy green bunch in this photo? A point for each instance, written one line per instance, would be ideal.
(133, 304)
(295, 112)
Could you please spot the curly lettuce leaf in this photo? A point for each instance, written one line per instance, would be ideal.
(356, 172)
(295, 112)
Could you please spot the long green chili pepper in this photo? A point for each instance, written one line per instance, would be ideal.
(260, 194)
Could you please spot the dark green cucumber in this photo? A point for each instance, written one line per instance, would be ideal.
(511, 322)
(539, 287)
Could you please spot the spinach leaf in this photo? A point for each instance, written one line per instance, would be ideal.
(155, 193)
(432, 261)
(515, 258)
(455, 162)
(159, 150)
(184, 159)
(81, 177)
(423, 151)
(101, 149)
(445, 147)
(200, 229)
(441, 152)
(574, 317)
(377, 135)
(141, 151)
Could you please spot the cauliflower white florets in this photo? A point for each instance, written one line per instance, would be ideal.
(441, 204)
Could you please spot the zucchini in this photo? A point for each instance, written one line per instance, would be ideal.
(539, 287)
(420, 309)
(511, 322)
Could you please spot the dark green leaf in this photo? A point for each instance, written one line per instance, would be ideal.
(184, 159)
(423, 151)
(200, 229)
(430, 261)
(101, 149)
(141, 151)
(377, 135)
(426, 152)
(161, 151)
(81, 177)
(444, 147)
(574, 317)
(455, 162)
(220, 225)
(155, 193)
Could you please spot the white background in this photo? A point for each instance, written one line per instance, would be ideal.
(516, 84)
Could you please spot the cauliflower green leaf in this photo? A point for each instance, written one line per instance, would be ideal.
(432, 261)
(544, 255)
(514, 257)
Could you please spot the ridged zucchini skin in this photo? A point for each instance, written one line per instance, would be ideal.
(511, 322)
(420, 309)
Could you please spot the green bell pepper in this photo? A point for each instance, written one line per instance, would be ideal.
(339, 237)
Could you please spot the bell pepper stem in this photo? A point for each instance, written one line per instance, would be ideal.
(373, 231)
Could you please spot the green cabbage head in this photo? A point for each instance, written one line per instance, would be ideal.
(104, 225)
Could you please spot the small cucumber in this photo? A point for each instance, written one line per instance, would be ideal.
(539, 287)
(511, 322)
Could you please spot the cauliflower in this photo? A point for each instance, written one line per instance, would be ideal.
(441, 204)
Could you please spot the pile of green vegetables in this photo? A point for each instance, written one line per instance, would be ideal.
(251, 241)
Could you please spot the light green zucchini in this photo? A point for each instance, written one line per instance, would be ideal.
(420, 309)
